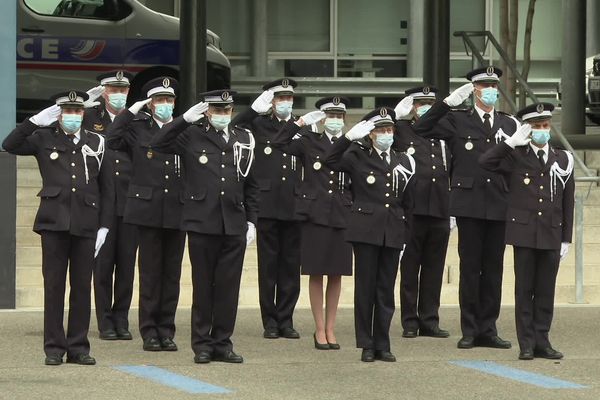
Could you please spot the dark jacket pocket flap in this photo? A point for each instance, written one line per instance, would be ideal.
(57, 147)
(464, 182)
(140, 192)
(264, 184)
(91, 200)
(198, 195)
(363, 209)
(518, 216)
(49, 191)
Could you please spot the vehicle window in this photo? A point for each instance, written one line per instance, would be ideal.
(96, 9)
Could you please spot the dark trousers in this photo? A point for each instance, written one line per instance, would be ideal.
(117, 256)
(535, 281)
(481, 251)
(216, 273)
(375, 271)
(278, 245)
(160, 255)
(61, 250)
(421, 272)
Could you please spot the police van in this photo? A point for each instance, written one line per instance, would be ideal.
(66, 43)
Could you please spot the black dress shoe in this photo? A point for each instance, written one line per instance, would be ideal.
(409, 333)
(167, 344)
(271, 333)
(228, 357)
(81, 359)
(289, 333)
(123, 334)
(108, 334)
(466, 342)
(367, 355)
(152, 344)
(334, 346)
(434, 332)
(386, 356)
(320, 346)
(53, 360)
(203, 357)
(548, 353)
(526, 354)
(494, 342)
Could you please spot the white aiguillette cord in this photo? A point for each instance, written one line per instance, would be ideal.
(88, 152)
(238, 149)
(562, 174)
(405, 172)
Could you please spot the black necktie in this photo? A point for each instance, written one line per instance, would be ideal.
(222, 136)
(384, 157)
(487, 123)
(71, 138)
(333, 139)
(540, 154)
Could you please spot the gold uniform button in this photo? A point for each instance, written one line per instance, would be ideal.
(222, 193)
(433, 167)
(541, 200)
(73, 189)
(137, 195)
(513, 220)
(166, 176)
(222, 179)
(488, 180)
(387, 184)
(73, 176)
(331, 172)
(433, 156)
(74, 152)
(285, 155)
(387, 206)
(541, 188)
(487, 140)
(542, 174)
(387, 195)
(331, 182)
(222, 165)
(388, 174)
(223, 153)
(284, 166)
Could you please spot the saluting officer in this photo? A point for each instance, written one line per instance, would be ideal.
(478, 201)
(278, 175)
(322, 205)
(422, 264)
(154, 206)
(378, 224)
(75, 213)
(219, 214)
(539, 222)
(118, 253)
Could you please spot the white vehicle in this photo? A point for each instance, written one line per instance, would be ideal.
(65, 44)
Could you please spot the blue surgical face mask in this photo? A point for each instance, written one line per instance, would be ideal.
(163, 111)
(489, 96)
(383, 141)
(117, 100)
(334, 125)
(423, 109)
(540, 136)
(283, 109)
(220, 122)
(71, 123)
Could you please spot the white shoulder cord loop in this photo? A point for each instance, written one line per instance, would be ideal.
(238, 149)
(87, 151)
(406, 174)
(562, 174)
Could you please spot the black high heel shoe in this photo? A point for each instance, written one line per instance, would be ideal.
(333, 346)
(320, 346)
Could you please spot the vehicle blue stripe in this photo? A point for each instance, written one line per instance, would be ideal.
(173, 380)
(519, 375)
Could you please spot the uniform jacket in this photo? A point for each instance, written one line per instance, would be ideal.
(433, 158)
(540, 213)
(474, 192)
(325, 197)
(97, 120)
(381, 213)
(278, 173)
(154, 196)
(67, 201)
(217, 199)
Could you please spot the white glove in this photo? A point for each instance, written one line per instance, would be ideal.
(452, 223)
(195, 112)
(250, 234)
(312, 117)
(457, 97)
(360, 130)
(404, 108)
(93, 94)
(138, 105)
(564, 249)
(262, 104)
(100, 238)
(520, 137)
(47, 116)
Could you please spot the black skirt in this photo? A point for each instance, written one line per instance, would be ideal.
(324, 251)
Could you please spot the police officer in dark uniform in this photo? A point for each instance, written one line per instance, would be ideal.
(154, 206)
(74, 217)
(322, 207)
(422, 264)
(478, 201)
(118, 253)
(539, 222)
(378, 223)
(219, 214)
(278, 175)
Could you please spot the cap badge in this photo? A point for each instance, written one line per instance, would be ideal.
(119, 75)
(166, 82)
(336, 101)
(426, 90)
(285, 83)
(225, 96)
(72, 96)
(490, 71)
(383, 112)
(540, 108)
